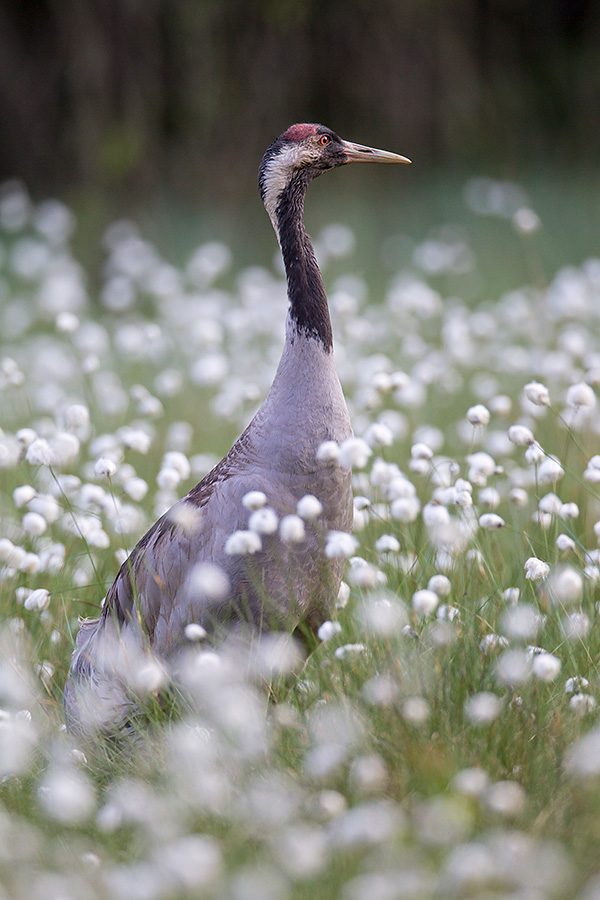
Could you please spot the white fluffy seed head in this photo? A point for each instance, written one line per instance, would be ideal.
(421, 451)
(208, 581)
(387, 543)
(535, 454)
(439, 584)
(520, 435)
(34, 524)
(254, 500)
(23, 494)
(339, 543)
(415, 710)
(243, 543)
(354, 453)
(104, 468)
(343, 595)
(194, 632)
(480, 462)
(579, 395)
(39, 453)
(537, 393)
(478, 415)
(482, 708)
(565, 543)
(37, 600)
(328, 630)
(536, 569)
(168, 478)
(424, 602)
(309, 507)
(566, 584)
(405, 509)
(264, 521)
(174, 459)
(491, 522)
(550, 470)
(136, 488)
(328, 451)
(291, 529)
(546, 666)
(379, 435)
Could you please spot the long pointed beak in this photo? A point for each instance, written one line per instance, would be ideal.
(359, 153)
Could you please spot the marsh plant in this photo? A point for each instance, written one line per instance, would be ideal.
(442, 738)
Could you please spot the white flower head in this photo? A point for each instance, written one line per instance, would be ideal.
(526, 221)
(167, 479)
(194, 632)
(580, 394)
(491, 522)
(520, 435)
(546, 666)
(425, 602)
(405, 509)
(421, 451)
(550, 470)
(415, 710)
(104, 468)
(291, 529)
(264, 520)
(243, 543)
(354, 453)
(439, 584)
(309, 507)
(565, 543)
(39, 453)
(343, 595)
(379, 435)
(339, 543)
(328, 630)
(536, 569)
(535, 454)
(34, 523)
(387, 543)
(136, 488)
(513, 666)
(174, 459)
(482, 708)
(566, 584)
(37, 600)
(478, 415)
(208, 581)
(23, 494)
(254, 500)
(481, 462)
(328, 451)
(582, 704)
(537, 393)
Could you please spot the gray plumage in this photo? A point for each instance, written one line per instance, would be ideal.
(156, 594)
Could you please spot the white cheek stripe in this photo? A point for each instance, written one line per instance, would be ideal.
(276, 177)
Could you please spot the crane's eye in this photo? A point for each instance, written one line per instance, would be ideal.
(324, 140)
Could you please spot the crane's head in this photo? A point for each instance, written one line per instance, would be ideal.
(305, 151)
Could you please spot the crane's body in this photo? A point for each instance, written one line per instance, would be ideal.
(155, 594)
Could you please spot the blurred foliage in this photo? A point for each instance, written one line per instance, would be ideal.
(128, 95)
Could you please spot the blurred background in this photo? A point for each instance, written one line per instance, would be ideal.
(115, 104)
(133, 94)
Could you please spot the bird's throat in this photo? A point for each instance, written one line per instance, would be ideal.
(309, 311)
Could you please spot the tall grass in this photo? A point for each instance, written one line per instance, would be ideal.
(432, 745)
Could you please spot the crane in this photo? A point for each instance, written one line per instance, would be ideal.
(186, 570)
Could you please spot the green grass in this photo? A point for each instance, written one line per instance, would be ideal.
(319, 781)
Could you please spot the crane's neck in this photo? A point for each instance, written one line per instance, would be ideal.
(309, 311)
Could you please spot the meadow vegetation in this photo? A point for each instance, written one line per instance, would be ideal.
(442, 739)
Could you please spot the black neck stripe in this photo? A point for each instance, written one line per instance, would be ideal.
(308, 300)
